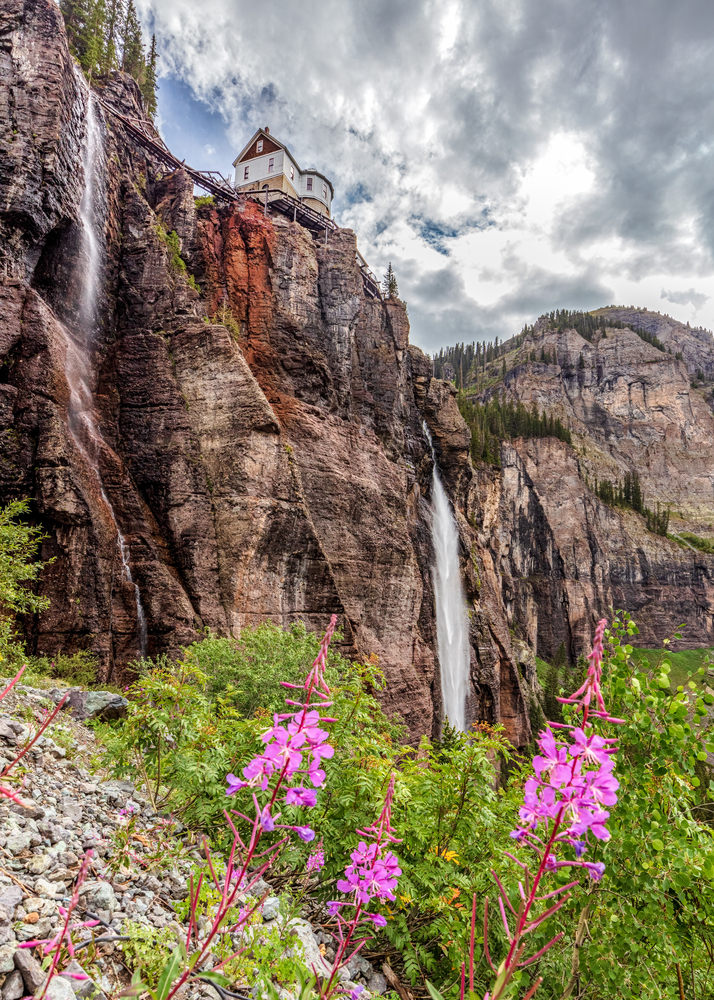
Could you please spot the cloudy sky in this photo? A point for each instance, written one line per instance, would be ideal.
(508, 156)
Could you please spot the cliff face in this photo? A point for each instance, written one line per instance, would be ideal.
(192, 473)
(564, 556)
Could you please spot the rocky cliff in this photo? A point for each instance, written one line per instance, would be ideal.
(563, 555)
(237, 436)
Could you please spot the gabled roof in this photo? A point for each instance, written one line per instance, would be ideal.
(262, 134)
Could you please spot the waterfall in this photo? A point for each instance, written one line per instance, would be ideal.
(82, 418)
(452, 624)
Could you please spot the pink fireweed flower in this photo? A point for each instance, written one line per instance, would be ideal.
(316, 860)
(300, 796)
(295, 743)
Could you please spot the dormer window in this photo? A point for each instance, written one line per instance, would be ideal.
(271, 164)
(246, 173)
(259, 146)
(309, 183)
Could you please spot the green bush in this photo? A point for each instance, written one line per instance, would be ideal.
(248, 670)
(19, 570)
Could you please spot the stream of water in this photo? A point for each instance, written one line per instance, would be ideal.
(452, 624)
(82, 418)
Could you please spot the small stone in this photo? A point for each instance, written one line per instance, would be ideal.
(39, 864)
(271, 908)
(30, 932)
(31, 970)
(377, 984)
(49, 889)
(6, 957)
(18, 841)
(83, 988)
(32, 918)
(88, 787)
(13, 988)
(103, 898)
(58, 989)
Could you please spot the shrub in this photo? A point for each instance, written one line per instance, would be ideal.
(19, 570)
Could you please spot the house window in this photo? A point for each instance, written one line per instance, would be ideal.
(259, 146)
(271, 164)
(246, 173)
(309, 183)
(324, 192)
(292, 173)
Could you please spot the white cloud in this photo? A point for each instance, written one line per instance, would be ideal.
(523, 147)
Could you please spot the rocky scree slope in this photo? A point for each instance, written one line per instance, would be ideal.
(269, 466)
(563, 555)
(73, 811)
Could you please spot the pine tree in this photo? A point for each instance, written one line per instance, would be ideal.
(116, 18)
(150, 86)
(94, 47)
(132, 60)
(389, 282)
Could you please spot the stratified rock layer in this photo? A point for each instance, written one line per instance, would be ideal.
(564, 557)
(267, 463)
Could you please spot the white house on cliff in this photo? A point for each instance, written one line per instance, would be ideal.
(266, 163)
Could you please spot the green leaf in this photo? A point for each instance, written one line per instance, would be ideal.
(657, 844)
(435, 995)
(216, 977)
(171, 971)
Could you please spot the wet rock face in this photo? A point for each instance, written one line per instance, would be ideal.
(267, 464)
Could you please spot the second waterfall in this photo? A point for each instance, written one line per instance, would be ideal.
(452, 623)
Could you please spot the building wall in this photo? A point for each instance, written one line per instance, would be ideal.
(279, 177)
(280, 182)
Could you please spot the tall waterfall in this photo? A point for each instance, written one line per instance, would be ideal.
(82, 418)
(452, 624)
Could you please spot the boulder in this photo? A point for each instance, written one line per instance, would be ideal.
(91, 704)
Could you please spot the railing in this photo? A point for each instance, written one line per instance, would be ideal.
(146, 134)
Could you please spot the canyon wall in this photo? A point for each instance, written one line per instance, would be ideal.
(563, 555)
(252, 447)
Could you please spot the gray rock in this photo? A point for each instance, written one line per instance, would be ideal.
(103, 898)
(86, 989)
(18, 841)
(92, 704)
(40, 929)
(50, 890)
(377, 984)
(7, 952)
(30, 968)
(59, 989)
(39, 864)
(10, 897)
(13, 988)
(311, 949)
(271, 908)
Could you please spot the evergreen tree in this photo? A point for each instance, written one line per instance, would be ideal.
(389, 282)
(93, 58)
(132, 60)
(150, 86)
(116, 18)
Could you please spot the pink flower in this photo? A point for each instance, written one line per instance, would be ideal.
(234, 784)
(300, 796)
(316, 861)
(304, 833)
